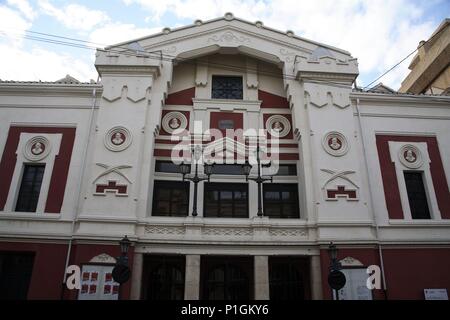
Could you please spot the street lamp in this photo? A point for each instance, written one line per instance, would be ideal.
(124, 246)
(185, 169)
(247, 167)
(121, 272)
(336, 279)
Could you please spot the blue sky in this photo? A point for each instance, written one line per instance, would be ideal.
(377, 32)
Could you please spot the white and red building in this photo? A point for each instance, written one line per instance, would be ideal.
(83, 164)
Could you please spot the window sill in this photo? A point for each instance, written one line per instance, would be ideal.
(29, 215)
(420, 223)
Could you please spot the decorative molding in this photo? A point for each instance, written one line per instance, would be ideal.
(338, 174)
(120, 190)
(350, 193)
(317, 99)
(165, 230)
(278, 126)
(224, 231)
(410, 156)
(229, 37)
(351, 262)
(341, 99)
(103, 258)
(288, 232)
(288, 55)
(118, 139)
(37, 148)
(111, 169)
(174, 121)
(335, 143)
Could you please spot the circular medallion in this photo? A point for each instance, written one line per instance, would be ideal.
(335, 143)
(37, 148)
(278, 126)
(118, 139)
(173, 121)
(410, 156)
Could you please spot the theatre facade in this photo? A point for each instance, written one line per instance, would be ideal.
(84, 164)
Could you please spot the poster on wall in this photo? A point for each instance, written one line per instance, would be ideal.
(355, 287)
(97, 283)
(435, 294)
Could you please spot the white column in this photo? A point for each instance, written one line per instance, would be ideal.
(316, 278)
(136, 276)
(192, 277)
(261, 278)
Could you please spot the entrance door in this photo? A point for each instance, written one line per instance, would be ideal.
(288, 278)
(15, 275)
(227, 278)
(164, 277)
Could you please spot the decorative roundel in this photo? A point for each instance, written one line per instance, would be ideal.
(410, 156)
(37, 148)
(118, 139)
(335, 143)
(278, 126)
(173, 121)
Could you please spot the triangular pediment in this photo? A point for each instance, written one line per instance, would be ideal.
(254, 39)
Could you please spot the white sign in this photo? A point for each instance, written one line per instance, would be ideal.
(355, 286)
(435, 294)
(97, 283)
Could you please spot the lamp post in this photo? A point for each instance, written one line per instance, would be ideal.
(336, 279)
(121, 272)
(185, 169)
(247, 167)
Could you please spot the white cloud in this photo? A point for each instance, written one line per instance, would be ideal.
(379, 33)
(23, 7)
(74, 16)
(41, 64)
(12, 26)
(24, 63)
(113, 33)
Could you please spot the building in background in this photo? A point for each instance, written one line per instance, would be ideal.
(430, 67)
(83, 164)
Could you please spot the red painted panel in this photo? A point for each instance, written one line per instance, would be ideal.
(332, 194)
(390, 183)
(183, 97)
(60, 169)
(237, 118)
(187, 114)
(48, 268)
(270, 100)
(101, 188)
(410, 271)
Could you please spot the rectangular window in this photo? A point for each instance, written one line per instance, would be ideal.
(287, 170)
(231, 169)
(166, 166)
(226, 124)
(227, 200)
(30, 187)
(281, 200)
(226, 87)
(416, 195)
(170, 198)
